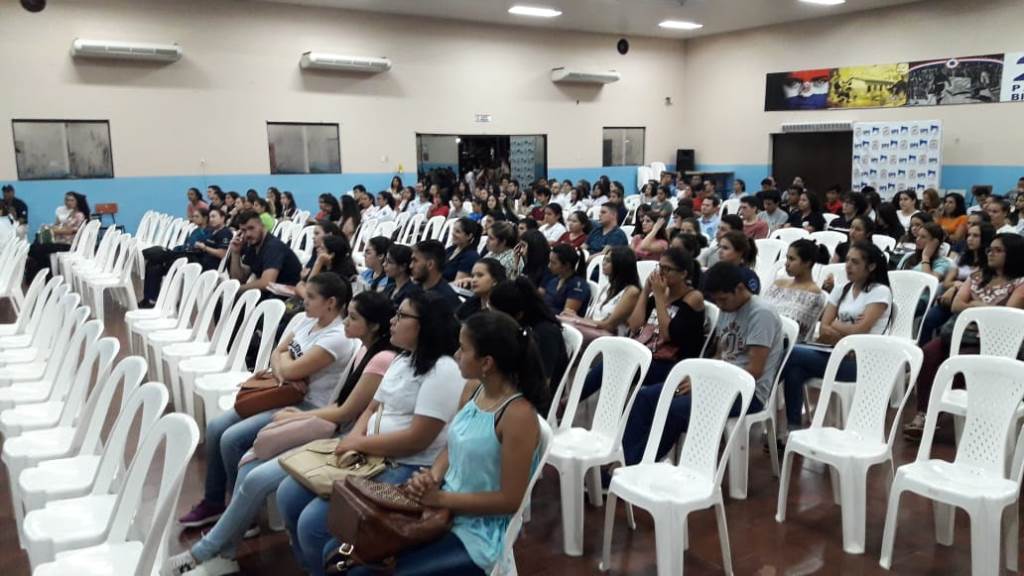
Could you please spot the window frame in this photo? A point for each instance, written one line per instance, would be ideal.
(643, 142)
(270, 163)
(65, 122)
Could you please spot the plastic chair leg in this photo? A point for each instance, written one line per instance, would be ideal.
(853, 492)
(14, 469)
(986, 541)
(571, 487)
(723, 537)
(958, 428)
(1011, 544)
(593, 479)
(787, 466)
(669, 535)
(609, 526)
(773, 445)
(945, 520)
(739, 460)
(889, 534)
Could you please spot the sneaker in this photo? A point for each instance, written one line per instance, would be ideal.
(216, 566)
(178, 564)
(202, 514)
(915, 428)
(252, 532)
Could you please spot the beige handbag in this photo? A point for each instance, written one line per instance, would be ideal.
(317, 467)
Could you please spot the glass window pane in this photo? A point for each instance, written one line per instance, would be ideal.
(89, 150)
(623, 146)
(47, 149)
(304, 148)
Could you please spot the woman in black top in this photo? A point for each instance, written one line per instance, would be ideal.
(462, 254)
(398, 267)
(808, 213)
(487, 273)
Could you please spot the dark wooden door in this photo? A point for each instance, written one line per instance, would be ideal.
(822, 159)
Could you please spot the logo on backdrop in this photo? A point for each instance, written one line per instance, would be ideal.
(1013, 78)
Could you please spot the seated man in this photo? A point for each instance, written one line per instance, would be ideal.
(607, 233)
(428, 259)
(258, 252)
(749, 336)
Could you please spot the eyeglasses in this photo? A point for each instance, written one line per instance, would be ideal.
(664, 268)
(399, 316)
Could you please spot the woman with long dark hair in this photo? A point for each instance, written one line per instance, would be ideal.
(808, 213)
(953, 218)
(532, 255)
(350, 217)
(374, 278)
(330, 210)
(566, 290)
(887, 222)
(649, 240)
(398, 267)
(578, 229)
(618, 298)
(521, 300)
(925, 258)
(487, 273)
(70, 217)
(462, 254)
(274, 205)
(799, 297)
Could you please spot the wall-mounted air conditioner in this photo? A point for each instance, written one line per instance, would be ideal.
(325, 61)
(844, 126)
(82, 48)
(584, 76)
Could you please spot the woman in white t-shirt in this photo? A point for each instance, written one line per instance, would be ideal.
(417, 397)
(861, 306)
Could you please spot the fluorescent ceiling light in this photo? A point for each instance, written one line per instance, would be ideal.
(680, 25)
(824, 2)
(538, 11)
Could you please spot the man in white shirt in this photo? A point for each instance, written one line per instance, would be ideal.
(775, 216)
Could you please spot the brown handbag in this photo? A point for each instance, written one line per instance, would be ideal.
(263, 392)
(376, 521)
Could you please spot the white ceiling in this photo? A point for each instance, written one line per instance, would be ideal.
(625, 17)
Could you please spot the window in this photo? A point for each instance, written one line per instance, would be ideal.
(62, 149)
(304, 148)
(623, 146)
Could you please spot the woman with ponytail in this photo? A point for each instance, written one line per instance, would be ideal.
(566, 290)
(798, 297)
(493, 450)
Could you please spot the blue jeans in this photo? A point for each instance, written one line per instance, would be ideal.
(256, 481)
(641, 418)
(937, 316)
(656, 374)
(806, 363)
(305, 517)
(228, 436)
(444, 557)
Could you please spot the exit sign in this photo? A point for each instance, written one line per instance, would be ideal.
(484, 118)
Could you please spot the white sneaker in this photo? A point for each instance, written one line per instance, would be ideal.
(216, 566)
(178, 564)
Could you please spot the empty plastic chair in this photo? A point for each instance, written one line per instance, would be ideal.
(790, 235)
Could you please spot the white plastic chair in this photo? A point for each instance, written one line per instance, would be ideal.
(885, 243)
(56, 380)
(830, 239)
(83, 249)
(573, 345)
(118, 555)
(118, 281)
(42, 343)
(837, 271)
(101, 261)
(171, 290)
(644, 269)
(711, 314)
(829, 217)
(212, 387)
(863, 442)
(595, 289)
(507, 565)
(982, 479)
(70, 322)
(302, 243)
(628, 229)
(41, 316)
(908, 288)
(670, 492)
(192, 290)
(30, 306)
(386, 229)
(575, 452)
(11, 274)
(433, 229)
(233, 363)
(731, 206)
(739, 456)
(790, 235)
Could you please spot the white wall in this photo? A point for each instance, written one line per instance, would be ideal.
(206, 114)
(725, 119)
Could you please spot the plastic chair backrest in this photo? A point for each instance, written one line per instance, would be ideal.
(33, 297)
(1000, 330)
(790, 336)
(731, 206)
(602, 279)
(884, 243)
(179, 436)
(515, 524)
(644, 269)
(829, 217)
(60, 308)
(573, 339)
(61, 373)
(123, 380)
(790, 235)
(433, 228)
(243, 308)
(880, 361)
(908, 288)
(711, 314)
(71, 323)
(714, 387)
(837, 271)
(829, 238)
(595, 289)
(270, 312)
(197, 287)
(223, 295)
(996, 389)
(770, 250)
(171, 287)
(385, 229)
(631, 361)
(97, 359)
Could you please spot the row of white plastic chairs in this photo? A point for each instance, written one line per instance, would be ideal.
(75, 494)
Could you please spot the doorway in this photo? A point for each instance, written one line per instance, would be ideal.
(822, 159)
(444, 157)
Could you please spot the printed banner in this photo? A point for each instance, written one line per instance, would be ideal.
(894, 156)
(959, 80)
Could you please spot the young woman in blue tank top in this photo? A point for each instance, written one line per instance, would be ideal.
(493, 450)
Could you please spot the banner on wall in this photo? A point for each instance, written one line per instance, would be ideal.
(958, 80)
(894, 156)
(1012, 89)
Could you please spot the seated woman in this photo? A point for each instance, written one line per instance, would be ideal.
(532, 255)
(906, 204)
(618, 298)
(861, 229)
(998, 283)
(330, 210)
(487, 273)
(385, 212)
(159, 259)
(213, 248)
(318, 352)
(566, 290)
(808, 213)
(369, 321)
(521, 300)
(799, 297)
(861, 306)
(501, 240)
(70, 217)
(578, 229)
(374, 278)
(398, 266)
(262, 208)
(419, 395)
(553, 226)
(288, 207)
(492, 452)
(926, 258)
(735, 248)
(349, 217)
(954, 218)
(979, 237)
(334, 255)
(462, 254)
(649, 242)
(887, 223)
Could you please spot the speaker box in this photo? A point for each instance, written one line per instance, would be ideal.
(685, 160)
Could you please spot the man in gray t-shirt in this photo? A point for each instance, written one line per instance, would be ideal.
(749, 336)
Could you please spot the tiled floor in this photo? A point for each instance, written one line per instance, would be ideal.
(810, 542)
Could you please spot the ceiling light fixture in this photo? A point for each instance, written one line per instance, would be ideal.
(536, 11)
(680, 25)
(825, 2)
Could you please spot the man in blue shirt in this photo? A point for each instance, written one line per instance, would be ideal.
(607, 232)
(709, 215)
(428, 258)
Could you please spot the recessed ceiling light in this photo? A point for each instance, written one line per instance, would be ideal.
(680, 25)
(537, 11)
(824, 2)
